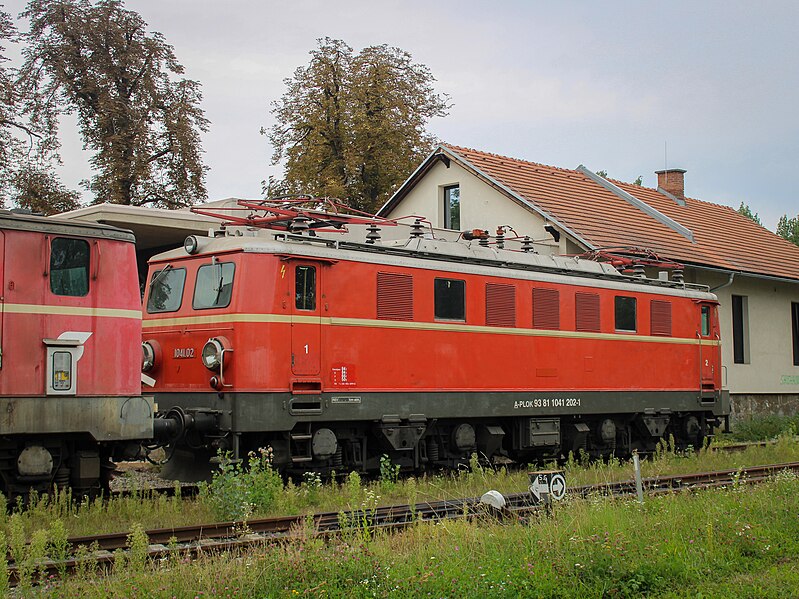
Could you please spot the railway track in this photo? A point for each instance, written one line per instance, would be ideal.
(192, 541)
(192, 490)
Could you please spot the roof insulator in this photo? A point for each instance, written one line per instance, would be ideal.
(299, 224)
(639, 271)
(677, 276)
(373, 233)
(527, 245)
(417, 229)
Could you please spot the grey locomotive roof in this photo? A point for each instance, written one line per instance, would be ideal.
(57, 226)
(449, 256)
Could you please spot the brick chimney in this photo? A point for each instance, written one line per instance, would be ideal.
(673, 181)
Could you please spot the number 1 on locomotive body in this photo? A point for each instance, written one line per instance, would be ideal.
(305, 319)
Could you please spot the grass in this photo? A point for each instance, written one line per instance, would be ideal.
(254, 494)
(738, 542)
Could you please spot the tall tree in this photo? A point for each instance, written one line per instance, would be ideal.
(788, 228)
(353, 125)
(745, 210)
(97, 60)
(9, 113)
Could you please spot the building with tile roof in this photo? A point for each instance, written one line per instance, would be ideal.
(754, 273)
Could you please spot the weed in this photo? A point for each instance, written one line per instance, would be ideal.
(389, 472)
(59, 545)
(3, 566)
(139, 545)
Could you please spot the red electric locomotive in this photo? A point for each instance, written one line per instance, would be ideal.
(70, 323)
(335, 352)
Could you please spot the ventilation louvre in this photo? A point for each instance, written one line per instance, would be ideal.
(546, 308)
(660, 318)
(500, 305)
(394, 296)
(586, 306)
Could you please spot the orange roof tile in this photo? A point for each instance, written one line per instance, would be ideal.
(722, 237)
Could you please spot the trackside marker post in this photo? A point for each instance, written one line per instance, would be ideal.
(639, 489)
(546, 485)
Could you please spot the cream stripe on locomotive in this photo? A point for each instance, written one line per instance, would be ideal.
(417, 326)
(50, 310)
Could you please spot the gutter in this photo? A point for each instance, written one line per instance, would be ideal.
(723, 285)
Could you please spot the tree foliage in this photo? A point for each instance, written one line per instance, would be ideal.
(143, 123)
(9, 111)
(788, 228)
(38, 189)
(744, 210)
(353, 125)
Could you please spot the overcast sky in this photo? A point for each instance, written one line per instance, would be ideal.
(626, 87)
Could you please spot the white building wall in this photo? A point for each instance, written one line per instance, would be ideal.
(481, 206)
(770, 367)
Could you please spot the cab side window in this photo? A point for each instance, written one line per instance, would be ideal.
(305, 288)
(214, 286)
(166, 290)
(69, 267)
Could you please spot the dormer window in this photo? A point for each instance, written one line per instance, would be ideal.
(452, 207)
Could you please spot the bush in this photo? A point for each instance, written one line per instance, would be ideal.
(237, 491)
(764, 428)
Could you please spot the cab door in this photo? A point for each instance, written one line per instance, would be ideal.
(306, 322)
(709, 348)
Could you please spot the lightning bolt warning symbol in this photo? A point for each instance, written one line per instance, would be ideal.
(283, 271)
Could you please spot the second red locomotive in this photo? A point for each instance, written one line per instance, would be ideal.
(337, 352)
(70, 322)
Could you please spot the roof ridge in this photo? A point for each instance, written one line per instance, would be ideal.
(522, 160)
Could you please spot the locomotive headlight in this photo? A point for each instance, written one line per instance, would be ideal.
(150, 355)
(214, 352)
(191, 244)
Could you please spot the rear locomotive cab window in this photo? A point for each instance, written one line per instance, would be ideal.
(705, 321)
(625, 314)
(69, 267)
(305, 288)
(166, 290)
(214, 285)
(450, 299)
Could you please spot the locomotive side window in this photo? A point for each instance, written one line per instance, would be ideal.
(166, 290)
(625, 313)
(450, 299)
(305, 288)
(705, 321)
(214, 285)
(69, 267)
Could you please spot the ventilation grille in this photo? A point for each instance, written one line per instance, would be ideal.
(394, 296)
(660, 317)
(586, 311)
(500, 305)
(546, 309)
